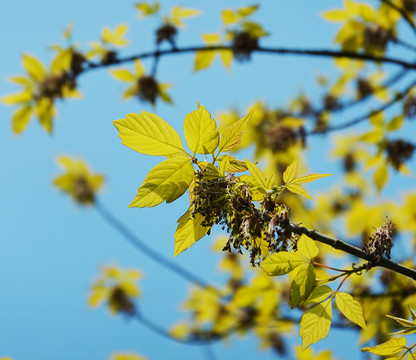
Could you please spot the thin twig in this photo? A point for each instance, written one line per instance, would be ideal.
(353, 250)
(147, 250)
(365, 116)
(280, 51)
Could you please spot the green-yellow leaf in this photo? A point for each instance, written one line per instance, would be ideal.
(188, 232)
(146, 9)
(224, 162)
(381, 176)
(281, 263)
(34, 67)
(257, 175)
(247, 10)
(306, 247)
(201, 131)
(166, 181)
(390, 347)
(396, 123)
(21, 118)
(17, 98)
(308, 178)
(148, 134)
(297, 189)
(350, 308)
(315, 323)
(203, 59)
(302, 285)
(226, 58)
(234, 165)
(335, 15)
(231, 137)
(318, 294)
(210, 170)
(403, 322)
(123, 75)
(229, 17)
(290, 172)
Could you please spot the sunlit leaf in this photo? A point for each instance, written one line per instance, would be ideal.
(290, 172)
(381, 176)
(203, 59)
(21, 118)
(281, 263)
(188, 232)
(257, 175)
(350, 308)
(308, 178)
(34, 67)
(390, 347)
(229, 17)
(297, 189)
(306, 246)
(123, 75)
(302, 285)
(318, 294)
(148, 134)
(166, 181)
(315, 323)
(231, 137)
(201, 131)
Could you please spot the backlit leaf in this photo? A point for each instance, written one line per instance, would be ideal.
(166, 181)
(306, 247)
(229, 17)
(297, 189)
(123, 75)
(231, 137)
(315, 323)
(335, 15)
(247, 10)
(290, 172)
(34, 67)
(281, 263)
(257, 175)
(203, 59)
(396, 123)
(390, 347)
(148, 134)
(318, 294)
(350, 308)
(201, 131)
(21, 118)
(381, 176)
(302, 285)
(308, 178)
(188, 232)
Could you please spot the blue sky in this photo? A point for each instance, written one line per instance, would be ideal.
(51, 249)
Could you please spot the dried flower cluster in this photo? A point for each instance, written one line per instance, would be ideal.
(243, 45)
(227, 201)
(398, 151)
(381, 242)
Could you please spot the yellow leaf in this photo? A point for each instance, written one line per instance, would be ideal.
(335, 15)
(34, 67)
(127, 357)
(231, 137)
(21, 118)
(297, 189)
(350, 308)
(257, 174)
(201, 131)
(390, 347)
(318, 294)
(226, 58)
(229, 17)
(308, 178)
(403, 322)
(315, 323)
(45, 112)
(188, 232)
(211, 39)
(381, 176)
(123, 75)
(139, 68)
(96, 298)
(146, 9)
(281, 263)
(247, 10)
(224, 162)
(396, 123)
(210, 170)
(203, 59)
(234, 165)
(306, 246)
(61, 62)
(377, 118)
(290, 172)
(180, 331)
(18, 98)
(166, 181)
(302, 285)
(148, 134)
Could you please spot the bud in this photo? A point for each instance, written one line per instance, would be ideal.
(148, 89)
(243, 45)
(376, 38)
(364, 88)
(166, 32)
(398, 151)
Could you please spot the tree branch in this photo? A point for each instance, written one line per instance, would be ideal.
(364, 117)
(280, 51)
(146, 250)
(350, 249)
